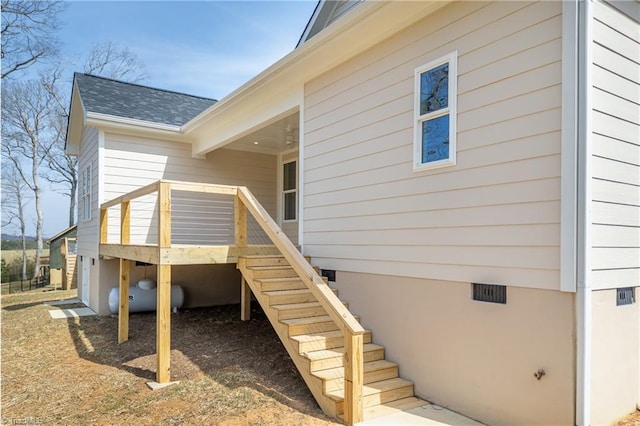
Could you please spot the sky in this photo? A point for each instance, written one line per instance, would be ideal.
(206, 48)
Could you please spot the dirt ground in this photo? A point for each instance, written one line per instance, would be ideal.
(73, 372)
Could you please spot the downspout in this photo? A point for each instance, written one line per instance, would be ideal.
(584, 296)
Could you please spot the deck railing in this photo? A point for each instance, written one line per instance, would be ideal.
(245, 202)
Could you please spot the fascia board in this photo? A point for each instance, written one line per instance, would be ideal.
(73, 137)
(132, 127)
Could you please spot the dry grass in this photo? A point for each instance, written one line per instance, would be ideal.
(73, 372)
(632, 419)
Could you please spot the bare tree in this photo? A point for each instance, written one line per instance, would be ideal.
(14, 199)
(27, 33)
(26, 140)
(106, 59)
(109, 59)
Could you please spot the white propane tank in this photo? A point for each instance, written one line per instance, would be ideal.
(143, 300)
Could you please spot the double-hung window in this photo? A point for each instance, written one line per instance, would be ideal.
(435, 113)
(85, 194)
(289, 190)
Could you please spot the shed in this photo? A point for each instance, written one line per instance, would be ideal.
(62, 257)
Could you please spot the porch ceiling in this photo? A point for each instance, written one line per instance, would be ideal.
(271, 139)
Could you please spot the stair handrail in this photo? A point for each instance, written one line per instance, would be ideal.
(334, 307)
(353, 331)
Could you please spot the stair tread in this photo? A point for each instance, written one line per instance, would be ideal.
(338, 372)
(306, 320)
(312, 337)
(338, 352)
(269, 267)
(277, 280)
(286, 292)
(373, 388)
(290, 306)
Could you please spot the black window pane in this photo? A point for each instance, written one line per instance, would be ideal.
(290, 206)
(289, 176)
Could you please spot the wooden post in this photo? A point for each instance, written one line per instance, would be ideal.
(163, 302)
(104, 225)
(353, 377)
(125, 222)
(123, 309)
(163, 324)
(164, 215)
(240, 223)
(245, 300)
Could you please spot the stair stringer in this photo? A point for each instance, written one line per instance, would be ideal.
(315, 384)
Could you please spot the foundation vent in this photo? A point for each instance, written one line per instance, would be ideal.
(624, 296)
(329, 273)
(490, 293)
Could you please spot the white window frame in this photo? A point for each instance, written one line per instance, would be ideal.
(450, 110)
(289, 191)
(85, 194)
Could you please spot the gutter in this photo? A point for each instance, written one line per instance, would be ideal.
(584, 311)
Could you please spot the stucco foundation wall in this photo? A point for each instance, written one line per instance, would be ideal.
(475, 358)
(203, 285)
(616, 357)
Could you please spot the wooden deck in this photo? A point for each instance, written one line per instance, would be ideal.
(181, 254)
(165, 254)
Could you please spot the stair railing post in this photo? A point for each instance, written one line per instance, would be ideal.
(104, 223)
(353, 376)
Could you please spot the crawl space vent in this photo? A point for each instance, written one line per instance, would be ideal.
(624, 296)
(490, 293)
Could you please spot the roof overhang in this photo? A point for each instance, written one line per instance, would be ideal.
(79, 118)
(279, 90)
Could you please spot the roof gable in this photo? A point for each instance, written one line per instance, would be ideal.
(132, 101)
(325, 13)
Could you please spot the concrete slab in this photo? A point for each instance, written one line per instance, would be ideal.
(428, 414)
(156, 386)
(71, 313)
(63, 302)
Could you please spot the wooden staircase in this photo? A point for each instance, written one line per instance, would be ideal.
(316, 343)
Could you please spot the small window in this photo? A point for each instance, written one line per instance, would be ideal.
(289, 190)
(435, 113)
(84, 206)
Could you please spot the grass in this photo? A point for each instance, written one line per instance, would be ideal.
(73, 372)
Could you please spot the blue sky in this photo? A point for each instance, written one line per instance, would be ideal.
(205, 48)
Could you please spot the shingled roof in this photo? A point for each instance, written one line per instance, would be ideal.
(118, 98)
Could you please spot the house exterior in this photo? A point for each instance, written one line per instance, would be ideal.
(62, 259)
(466, 173)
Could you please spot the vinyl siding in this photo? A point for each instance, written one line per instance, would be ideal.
(615, 149)
(495, 215)
(88, 233)
(203, 219)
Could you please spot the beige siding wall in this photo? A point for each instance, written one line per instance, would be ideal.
(197, 219)
(616, 149)
(615, 358)
(88, 230)
(494, 217)
(475, 358)
(616, 213)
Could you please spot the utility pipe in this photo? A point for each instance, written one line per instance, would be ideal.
(583, 287)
